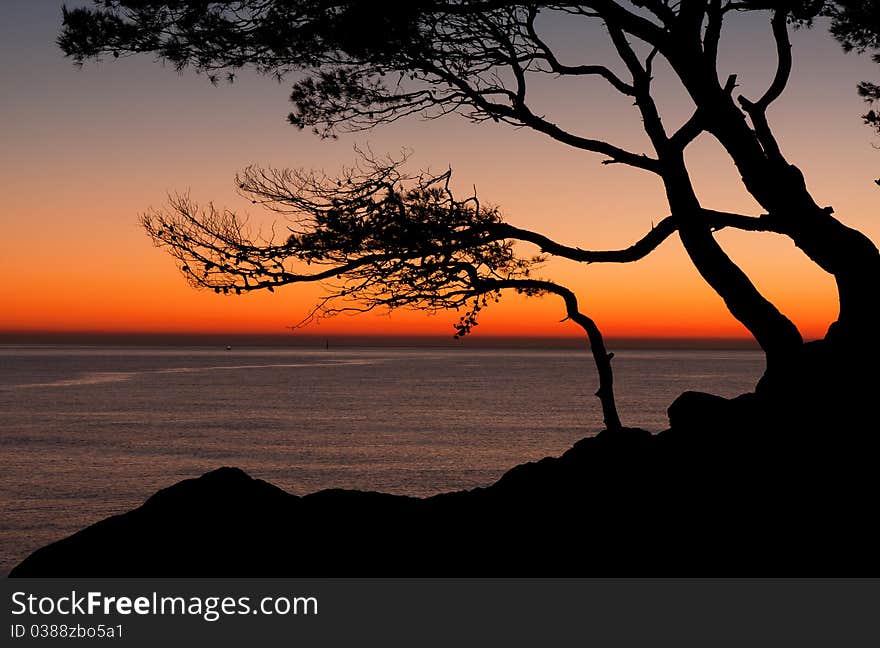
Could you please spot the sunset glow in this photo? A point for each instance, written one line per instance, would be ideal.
(87, 150)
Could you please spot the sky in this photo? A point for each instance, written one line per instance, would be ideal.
(87, 150)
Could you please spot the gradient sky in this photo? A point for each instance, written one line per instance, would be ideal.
(85, 151)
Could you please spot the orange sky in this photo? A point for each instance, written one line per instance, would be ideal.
(86, 151)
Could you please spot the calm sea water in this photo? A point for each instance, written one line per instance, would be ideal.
(88, 432)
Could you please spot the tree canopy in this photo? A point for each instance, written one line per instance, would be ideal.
(856, 25)
(352, 46)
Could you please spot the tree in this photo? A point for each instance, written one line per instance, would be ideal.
(359, 64)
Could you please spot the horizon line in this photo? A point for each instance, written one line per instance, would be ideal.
(150, 338)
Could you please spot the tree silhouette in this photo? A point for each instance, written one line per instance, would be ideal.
(359, 64)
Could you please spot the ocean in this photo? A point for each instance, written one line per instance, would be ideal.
(89, 432)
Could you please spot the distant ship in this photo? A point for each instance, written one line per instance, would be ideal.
(229, 347)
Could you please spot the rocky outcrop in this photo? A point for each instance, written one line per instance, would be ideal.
(705, 498)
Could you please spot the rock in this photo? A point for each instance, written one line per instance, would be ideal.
(691, 501)
(699, 411)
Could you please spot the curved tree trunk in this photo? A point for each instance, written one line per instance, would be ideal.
(601, 355)
(779, 187)
(847, 254)
(774, 332)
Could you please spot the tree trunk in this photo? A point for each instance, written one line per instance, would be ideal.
(774, 332)
(847, 254)
(827, 384)
(779, 187)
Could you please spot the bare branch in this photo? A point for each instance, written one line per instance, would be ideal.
(660, 8)
(779, 26)
(519, 113)
(619, 155)
(715, 220)
(573, 70)
(632, 23)
(601, 356)
(712, 35)
(757, 111)
(642, 84)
